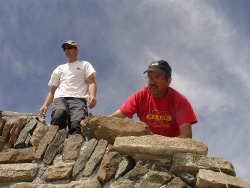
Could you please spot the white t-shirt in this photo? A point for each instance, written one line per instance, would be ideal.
(71, 79)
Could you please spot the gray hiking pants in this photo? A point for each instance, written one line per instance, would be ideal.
(69, 111)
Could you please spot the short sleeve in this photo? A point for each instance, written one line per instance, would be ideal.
(89, 69)
(55, 76)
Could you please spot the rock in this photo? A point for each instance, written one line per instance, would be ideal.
(72, 147)
(138, 171)
(109, 165)
(38, 134)
(22, 172)
(208, 178)
(16, 129)
(24, 155)
(45, 141)
(95, 158)
(56, 146)
(157, 146)
(11, 122)
(58, 172)
(126, 164)
(191, 163)
(20, 143)
(187, 178)
(123, 184)
(155, 179)
(84, 157)
(2, 123)
(175, 183)
(23, 185)
(108, 128)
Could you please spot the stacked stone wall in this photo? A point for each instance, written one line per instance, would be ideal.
(119, 154)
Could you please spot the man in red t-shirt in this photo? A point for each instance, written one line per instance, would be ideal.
(166, 111)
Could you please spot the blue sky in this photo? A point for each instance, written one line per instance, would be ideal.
(205, 42)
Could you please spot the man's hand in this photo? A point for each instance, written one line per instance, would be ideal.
(42, 111)
(118, 114)
(47, 102)
(91, 101)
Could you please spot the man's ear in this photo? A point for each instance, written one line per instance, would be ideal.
(169, 80)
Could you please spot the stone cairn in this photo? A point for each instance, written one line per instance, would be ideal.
(119, 153)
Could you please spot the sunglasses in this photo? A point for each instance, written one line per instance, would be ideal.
(68, 48)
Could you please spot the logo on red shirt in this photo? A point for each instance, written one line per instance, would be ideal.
(158, 119)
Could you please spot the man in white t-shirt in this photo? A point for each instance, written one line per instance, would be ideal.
(73, 91)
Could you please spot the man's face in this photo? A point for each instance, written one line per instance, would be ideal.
(158, 84)
(70, 52)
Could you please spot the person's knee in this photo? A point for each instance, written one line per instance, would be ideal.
(59, 118)
(59, 113)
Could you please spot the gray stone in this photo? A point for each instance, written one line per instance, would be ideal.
(23, 185)
(157, 145)
(16, 129)
(159, 160)
(164, 162)
(139, 171)
(208, 178)
(42, 167)
(24, 155)
(84, 157)
(58, 172)
(95, 158)
(2, 123)
(55, 147)
(38, 134)
(191, 163)
(108, 128)
(187, 178)
(175, 183)
(45, 141)
(27, 141)
(22, 172)
(2, 142)
(155, 179)
(20, 143)
(72, 147)
(89, 183)
(7, 128)
(123, 184)
(41, 119)
(126, 164)
(86, 183)
(109, 165)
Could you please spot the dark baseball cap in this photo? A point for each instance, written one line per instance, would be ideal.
(69, 42)
(160, 67)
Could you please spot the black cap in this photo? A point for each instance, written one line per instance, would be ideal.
(160, 67)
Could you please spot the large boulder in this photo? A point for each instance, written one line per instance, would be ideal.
(108, 128)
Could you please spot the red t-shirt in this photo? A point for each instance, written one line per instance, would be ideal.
(164, 115)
